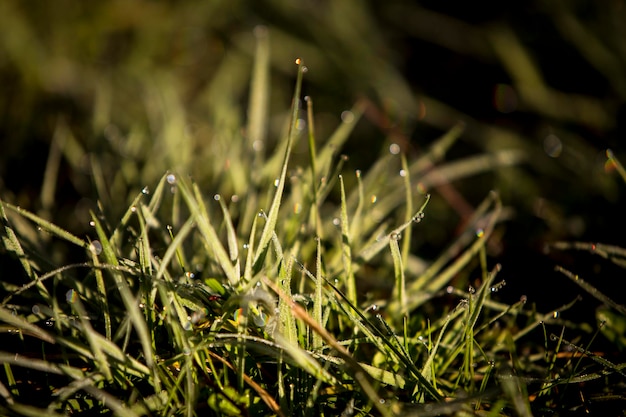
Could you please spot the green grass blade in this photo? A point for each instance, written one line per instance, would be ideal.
(48, 226)
(272, 218)
(130, 302)
(346, 250)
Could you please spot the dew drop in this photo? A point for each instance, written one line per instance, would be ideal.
(171, 179)
(347, 116)
(36, 309)
(71, 296)
(261, 320)
(246, 246)
(382, 401)
(190, 275)
(257, 145)
(418, 217)
(234, 198)
(95, 247)
(305, 69)
(480, 233)
(373, 198)
(523, 298)
(188, 325)
(471, 290)
(50, 322)
(395, 236)
(394, 149)
(358, 173)
(337, 221)
(133, 209)
(403, 173)
(145, 190)
(449, 289)
(276, 182)
(141, 305)
(186, 351)
(555, 314)
(217, 197)
(298, 61)
(553, 146)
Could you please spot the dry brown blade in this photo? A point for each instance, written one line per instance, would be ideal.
(265, 396)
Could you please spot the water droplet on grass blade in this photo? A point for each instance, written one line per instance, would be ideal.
(347, 116)
(394, 149)
(217, 197)
(171, 179)
(418, 217)
(96, 247)
(145, 190)
(36, 309)
(71, 296)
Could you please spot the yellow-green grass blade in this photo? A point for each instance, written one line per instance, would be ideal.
(272, 218)
(130, 302)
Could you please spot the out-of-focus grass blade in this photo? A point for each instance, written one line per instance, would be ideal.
(8, 317)
(259, 97)
(616, 163)
(270, 225)
(48, 226)
(339, 137)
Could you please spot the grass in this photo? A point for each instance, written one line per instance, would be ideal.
(237, 283)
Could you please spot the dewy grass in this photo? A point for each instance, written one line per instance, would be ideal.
(244, 300)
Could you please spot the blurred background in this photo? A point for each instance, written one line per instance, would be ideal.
(94, 92)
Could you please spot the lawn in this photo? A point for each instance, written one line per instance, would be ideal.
(318, 208)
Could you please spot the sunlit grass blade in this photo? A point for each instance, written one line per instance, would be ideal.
(272, 217)
(346, 250)
(12, 243)
(47, 225)
(616, 163)
(130, 302)
(434, 278)
(199, 212)
(593, 291)
(259, 98)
